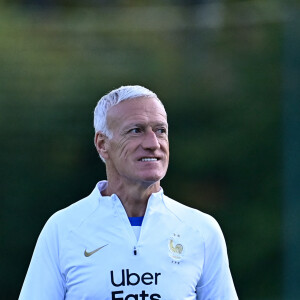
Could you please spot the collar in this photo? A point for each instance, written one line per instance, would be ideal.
(154, 201)
(102, 185)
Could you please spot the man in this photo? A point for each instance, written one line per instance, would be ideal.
(127, 240)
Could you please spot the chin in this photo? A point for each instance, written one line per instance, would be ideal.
(149, 180)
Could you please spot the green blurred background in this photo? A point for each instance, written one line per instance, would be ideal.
(220, 67)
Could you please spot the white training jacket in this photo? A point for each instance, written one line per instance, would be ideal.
(89, 251)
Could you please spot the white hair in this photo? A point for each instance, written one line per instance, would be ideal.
(113, 98)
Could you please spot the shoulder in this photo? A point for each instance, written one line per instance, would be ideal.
(71, 217)
(196, 219)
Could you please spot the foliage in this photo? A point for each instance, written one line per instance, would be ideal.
(221, 88)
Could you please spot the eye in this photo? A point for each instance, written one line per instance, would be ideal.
(134, 130)
(161, 130)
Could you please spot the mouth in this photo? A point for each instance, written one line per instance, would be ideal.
(146, 159)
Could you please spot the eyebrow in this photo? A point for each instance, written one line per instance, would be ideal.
(142, 125)
(162, 124)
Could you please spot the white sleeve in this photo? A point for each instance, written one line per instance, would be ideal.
(216, 282)
(44, 279)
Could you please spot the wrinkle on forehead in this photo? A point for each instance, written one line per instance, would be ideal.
(136, 110)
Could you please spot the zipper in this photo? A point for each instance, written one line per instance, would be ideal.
(121, 214)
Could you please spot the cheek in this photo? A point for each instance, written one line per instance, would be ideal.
(123, 148)
(165, 146)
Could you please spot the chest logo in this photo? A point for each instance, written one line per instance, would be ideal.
(87, 254)
(176, 249)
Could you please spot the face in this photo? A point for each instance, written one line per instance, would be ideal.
(138, 152)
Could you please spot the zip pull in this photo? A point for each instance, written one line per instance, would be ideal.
(134, 250)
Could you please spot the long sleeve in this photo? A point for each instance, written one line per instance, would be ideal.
(216, 282)
(44, 279)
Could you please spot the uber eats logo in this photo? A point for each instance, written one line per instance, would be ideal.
(126, 278)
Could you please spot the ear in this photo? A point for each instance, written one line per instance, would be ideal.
(100, 141)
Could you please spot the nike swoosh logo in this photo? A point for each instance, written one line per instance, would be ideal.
(87, 254)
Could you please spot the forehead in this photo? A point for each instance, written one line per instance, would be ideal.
(145, 110)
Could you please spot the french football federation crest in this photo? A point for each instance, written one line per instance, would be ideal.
(175, 248)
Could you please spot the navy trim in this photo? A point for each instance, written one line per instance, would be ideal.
(136, 221)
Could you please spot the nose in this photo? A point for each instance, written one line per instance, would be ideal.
(150, 141)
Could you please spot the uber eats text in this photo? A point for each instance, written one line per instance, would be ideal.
(130, 279)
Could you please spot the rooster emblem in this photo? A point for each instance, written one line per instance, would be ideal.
(175, 248)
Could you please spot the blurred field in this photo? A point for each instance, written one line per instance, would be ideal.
(218, 70)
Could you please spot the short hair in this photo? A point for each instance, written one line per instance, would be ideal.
(113, 98)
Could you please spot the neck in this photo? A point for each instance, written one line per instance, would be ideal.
(134, 197)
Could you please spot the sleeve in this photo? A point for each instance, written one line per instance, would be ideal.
(216, 282)
(44, 279)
